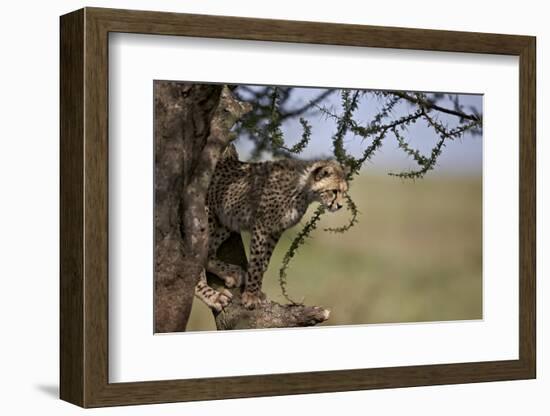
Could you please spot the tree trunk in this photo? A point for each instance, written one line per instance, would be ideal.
(192, 128)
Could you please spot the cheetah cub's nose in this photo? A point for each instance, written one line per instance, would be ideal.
(338, 206)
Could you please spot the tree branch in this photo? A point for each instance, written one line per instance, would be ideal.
(433, 106)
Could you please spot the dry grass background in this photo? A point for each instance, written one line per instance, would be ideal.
(414, 256)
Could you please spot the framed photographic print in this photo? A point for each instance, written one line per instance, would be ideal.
(256, 207)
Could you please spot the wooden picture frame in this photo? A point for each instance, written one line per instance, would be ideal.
(84, 207)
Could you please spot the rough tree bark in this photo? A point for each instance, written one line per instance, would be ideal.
(192, 128)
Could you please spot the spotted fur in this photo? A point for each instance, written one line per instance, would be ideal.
(265, 198)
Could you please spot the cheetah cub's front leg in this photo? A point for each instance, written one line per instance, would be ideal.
(261, 248)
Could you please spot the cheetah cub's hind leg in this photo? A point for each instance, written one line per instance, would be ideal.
(231, 274)
(216, 300)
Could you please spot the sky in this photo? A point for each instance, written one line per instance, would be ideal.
(460, 157)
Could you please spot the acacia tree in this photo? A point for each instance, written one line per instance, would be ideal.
(195, 122)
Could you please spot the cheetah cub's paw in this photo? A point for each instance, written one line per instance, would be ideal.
(219, 300)
(252, 299)
(233, 276)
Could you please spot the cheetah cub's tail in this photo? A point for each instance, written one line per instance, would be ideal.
(230, 153)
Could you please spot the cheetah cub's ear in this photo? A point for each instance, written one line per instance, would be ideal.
(322, 171)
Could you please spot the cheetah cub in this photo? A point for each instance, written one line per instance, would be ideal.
(265, 198)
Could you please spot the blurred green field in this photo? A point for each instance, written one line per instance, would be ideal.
(414, 256)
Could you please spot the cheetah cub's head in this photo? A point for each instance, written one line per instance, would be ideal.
(328, 184)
